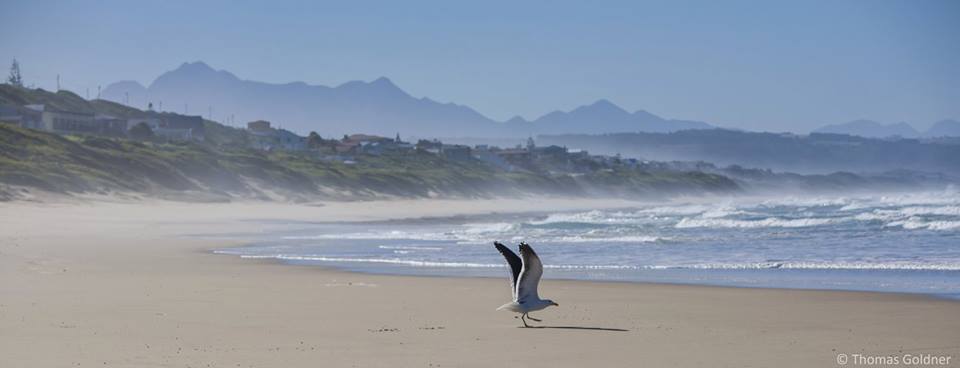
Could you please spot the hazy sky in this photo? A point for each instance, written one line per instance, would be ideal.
(760, 65)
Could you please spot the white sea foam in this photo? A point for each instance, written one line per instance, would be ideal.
(943, 225)
(590, 217)
(931, 210)
(381, 235)
(914, 266)
(407, 247)
(914, 223)
(679, 209)
(805, 202)
(689, 222)
(483, 228)
(471, 233)
(408, 262)
(873, 216)
(609, 239)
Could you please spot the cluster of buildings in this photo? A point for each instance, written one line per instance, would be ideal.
(51, 119)
(552, 158)
(263, 136)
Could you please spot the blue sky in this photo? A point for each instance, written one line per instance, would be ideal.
(759, 65)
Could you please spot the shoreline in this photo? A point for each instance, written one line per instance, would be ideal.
(792, 276)
(132, 286)
(333, 268)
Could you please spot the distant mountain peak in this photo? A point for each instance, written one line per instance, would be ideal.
(606, 105)
(601, 106)
(195, 66)
(604, 116)
(129, 84)
(382, 86)
(517, 120)
(198, 69)
(646, 115)
(384, 81)
(194, 73)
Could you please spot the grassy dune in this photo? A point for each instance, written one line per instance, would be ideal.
(88, 164)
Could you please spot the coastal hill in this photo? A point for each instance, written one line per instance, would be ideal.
(944, 128)
(810, 154)
(377, 107)
(224, 165)
(873, 129)
(36, 160)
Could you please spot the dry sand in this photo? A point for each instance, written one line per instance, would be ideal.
(121, 285)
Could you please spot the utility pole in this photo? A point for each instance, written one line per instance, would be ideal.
(98, 91)
(58, 82)
(161, 107)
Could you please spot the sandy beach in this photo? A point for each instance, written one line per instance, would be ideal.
(127, 284)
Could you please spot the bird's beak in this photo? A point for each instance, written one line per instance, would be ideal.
(555, 304)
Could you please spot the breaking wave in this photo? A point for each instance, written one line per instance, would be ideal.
(767, 222)
(900, 240)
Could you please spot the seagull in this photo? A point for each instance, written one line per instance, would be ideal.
(525, 275)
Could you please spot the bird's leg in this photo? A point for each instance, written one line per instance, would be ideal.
(524, 320)
(534, 319)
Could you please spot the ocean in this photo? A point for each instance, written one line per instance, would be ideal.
(891, 243)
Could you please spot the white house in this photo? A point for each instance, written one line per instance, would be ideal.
(264, 137)
(65, 122)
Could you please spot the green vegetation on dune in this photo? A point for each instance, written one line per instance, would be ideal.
(88, 164)
(63, 100)
(115, 109)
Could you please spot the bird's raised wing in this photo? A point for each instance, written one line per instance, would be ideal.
(515, 265)
(529, 275)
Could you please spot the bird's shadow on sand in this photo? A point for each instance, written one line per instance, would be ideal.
(581, 328)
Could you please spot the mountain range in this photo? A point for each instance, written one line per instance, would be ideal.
(378, 107)
(381, 107)
(873, 129)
